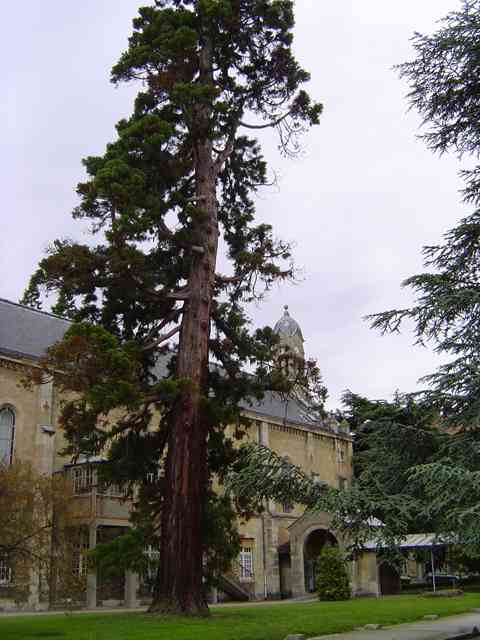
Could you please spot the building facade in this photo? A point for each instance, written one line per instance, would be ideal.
(278, 547)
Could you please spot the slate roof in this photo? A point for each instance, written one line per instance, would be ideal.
(27, 333)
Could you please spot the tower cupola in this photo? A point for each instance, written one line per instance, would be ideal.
(291, 336)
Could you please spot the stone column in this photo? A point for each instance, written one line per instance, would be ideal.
(272, 561)
(298, 569)
(264, 434)
(355, 583)
(92, 573)
(131, 587)
(34, 589)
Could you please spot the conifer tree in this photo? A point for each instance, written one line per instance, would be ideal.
(179, 178)
(445, 89)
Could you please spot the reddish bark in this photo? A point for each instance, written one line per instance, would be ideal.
(179, 583)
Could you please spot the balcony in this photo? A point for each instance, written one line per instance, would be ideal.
(93, 500)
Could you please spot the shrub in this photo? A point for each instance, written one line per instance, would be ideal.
(332, 577)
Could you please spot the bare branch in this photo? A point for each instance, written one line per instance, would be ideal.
(161, 339)
(169, 318)
(269, 125)
(196, 198)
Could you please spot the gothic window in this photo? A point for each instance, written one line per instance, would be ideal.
(7, 432)
(246, 563)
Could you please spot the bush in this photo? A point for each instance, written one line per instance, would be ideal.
(332, 577)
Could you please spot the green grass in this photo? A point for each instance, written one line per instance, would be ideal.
(268, 622)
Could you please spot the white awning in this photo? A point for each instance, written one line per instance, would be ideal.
(414, 541)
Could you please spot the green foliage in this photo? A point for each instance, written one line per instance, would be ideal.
(331, 575)
(444, 83)
(124, 553)
(262, 474)
(222, 540)
(444, 87)
(391, 439)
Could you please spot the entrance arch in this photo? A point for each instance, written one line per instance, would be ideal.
(312, 547)
(389, 579)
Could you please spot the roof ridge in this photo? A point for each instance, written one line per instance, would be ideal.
(33, 310)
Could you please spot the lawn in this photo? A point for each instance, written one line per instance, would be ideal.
(269, 622)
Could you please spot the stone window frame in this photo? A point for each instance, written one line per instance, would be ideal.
(11, 409)
(6, 573)
(246, 562)
(79, 556)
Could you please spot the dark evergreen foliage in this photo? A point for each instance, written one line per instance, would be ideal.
(444, 81)
(391, 438)
(445, 88)
(180, 177)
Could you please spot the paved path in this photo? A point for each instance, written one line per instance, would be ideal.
(442, 629)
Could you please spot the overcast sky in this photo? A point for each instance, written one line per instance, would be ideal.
(359, 205)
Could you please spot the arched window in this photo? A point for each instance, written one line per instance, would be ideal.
(7, 430)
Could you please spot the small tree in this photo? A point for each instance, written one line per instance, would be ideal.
(333, 582)
(35, 531)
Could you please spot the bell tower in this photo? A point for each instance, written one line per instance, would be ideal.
(291, 354)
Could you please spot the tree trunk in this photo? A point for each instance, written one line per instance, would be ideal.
(179, 587)
(53, 569)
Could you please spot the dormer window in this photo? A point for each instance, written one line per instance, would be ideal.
(7, 433)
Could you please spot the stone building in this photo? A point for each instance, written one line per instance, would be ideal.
(278, 547)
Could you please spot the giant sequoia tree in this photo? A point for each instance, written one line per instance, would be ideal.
(178, 179)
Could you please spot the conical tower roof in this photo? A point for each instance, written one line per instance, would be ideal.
(290, 334)
(288, 327)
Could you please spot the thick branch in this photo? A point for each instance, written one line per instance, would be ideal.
(156, 343)
(228, 280)
(225, 153)
(183, 294)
